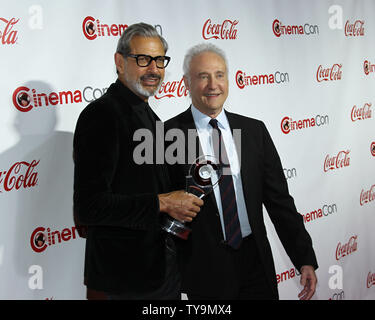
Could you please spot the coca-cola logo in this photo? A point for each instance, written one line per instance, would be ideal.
(243, 80)
(362, 113)
(343, 250)
(172, 89)
(341, 160)
(355, 29)
(227, 30)
(333, 73)
(8, 35)
(372, 148)
(367, 195)
(20, 175)
(288, 124)
(41, 238)
(370, 279)
(93, 28)
(368, 67)
(280, 29)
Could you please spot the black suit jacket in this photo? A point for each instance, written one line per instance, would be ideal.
(117, 198)
(206, 264)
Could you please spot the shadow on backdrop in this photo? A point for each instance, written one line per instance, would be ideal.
(47, 206)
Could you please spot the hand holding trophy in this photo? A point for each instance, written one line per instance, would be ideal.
(204, 175)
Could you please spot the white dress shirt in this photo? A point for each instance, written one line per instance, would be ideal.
(204, 130)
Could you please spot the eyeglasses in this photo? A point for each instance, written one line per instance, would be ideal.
(144, 60)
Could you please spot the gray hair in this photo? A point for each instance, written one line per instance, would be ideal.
(139, 29)
(198, 49)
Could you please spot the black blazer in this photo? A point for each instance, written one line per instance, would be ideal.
(117, 198)
(206, 264)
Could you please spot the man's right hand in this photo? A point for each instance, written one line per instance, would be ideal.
(180, 205)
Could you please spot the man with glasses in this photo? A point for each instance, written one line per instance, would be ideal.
(121, 201)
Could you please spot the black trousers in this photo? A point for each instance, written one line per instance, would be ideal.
(171, 287)
(250, 278)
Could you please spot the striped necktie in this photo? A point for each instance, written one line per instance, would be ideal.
(227, 193)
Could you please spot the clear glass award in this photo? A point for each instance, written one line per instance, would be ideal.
(204, 175)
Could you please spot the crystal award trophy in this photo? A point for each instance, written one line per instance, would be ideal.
(204, 175)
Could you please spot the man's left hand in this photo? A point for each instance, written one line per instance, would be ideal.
(308, 281)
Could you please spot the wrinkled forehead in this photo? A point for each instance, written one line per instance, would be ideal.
(209, 62)
(146, 45)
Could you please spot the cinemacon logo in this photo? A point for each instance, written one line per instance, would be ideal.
(372, 148)
(24, 98)
(289, 125)
(227, 30)
(280, 29)
(319, 213)
(346, 249)
(333, 73)
(172, 89)
(367, 196)
(8, 36)
(93, 28)
(21, 174)
(42, 238)
(338, 161)
(368, 67)
(243, 80)
(287, 275)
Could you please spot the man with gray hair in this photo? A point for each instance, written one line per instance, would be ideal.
(227, 255)
(120, 201)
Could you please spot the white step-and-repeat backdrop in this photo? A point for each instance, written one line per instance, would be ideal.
(305, 68)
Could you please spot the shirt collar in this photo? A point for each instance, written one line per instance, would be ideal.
(202, 120)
